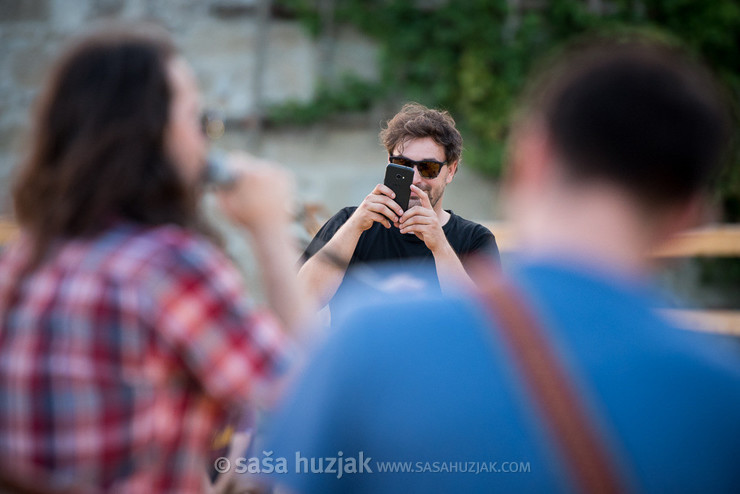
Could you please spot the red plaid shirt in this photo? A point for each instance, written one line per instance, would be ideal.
(119, 357)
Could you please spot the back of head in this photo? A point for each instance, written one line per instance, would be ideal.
(97, 150)
(633, 113)
(416, 121)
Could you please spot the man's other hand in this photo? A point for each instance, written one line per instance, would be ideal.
(378, 206)
(423, 222)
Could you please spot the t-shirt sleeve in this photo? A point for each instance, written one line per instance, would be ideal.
(483, 242)
(327, 232)
(201, 310)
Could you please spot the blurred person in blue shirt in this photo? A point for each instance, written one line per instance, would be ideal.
(609, 157)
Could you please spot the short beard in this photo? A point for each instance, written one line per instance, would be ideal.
(417, 201)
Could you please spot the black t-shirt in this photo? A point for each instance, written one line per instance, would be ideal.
(381, 244)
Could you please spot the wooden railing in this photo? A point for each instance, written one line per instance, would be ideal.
(710, 241)
(714, 241)
(7, 230)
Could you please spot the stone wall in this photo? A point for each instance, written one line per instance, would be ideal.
(218, 37)
(335, 164)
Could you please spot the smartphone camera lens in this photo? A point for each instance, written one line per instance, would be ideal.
(398, 176)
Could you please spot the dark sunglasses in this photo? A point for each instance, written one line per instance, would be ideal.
(427, 168)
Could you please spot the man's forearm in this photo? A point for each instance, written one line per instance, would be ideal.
(324, 271)
(450, 271)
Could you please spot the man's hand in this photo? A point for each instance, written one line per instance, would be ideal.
(423, 222)
(324, 272)
(378, 206)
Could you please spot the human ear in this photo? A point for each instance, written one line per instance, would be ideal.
(451, 172)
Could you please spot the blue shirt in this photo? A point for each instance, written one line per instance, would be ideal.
(425, 384)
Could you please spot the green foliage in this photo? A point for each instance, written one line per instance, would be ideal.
(723, 275)
(472, 56)
(352, 94)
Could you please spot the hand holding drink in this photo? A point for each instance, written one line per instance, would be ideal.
(255, 193)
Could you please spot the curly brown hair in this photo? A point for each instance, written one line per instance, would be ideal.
(416, 121)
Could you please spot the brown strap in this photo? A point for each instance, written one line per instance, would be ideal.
(587, 460)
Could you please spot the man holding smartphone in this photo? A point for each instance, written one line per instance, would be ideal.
(377, 230)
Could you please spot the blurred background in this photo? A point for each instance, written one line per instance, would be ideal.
(308, 83)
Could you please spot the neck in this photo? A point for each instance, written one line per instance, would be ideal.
(443, 215)
(597, 227)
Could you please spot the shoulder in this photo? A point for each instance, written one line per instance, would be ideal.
(601, 316)
(345, 212)
(162, 251)
(335, 222)
(458, 222)
(167, 242)
(388, 327)
(124, 250)
(378, 338)
(327, 231)
(467, 236)
(341, 216)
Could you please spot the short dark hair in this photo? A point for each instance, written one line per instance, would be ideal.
(416, 121)
(97, 151)
(637, 113)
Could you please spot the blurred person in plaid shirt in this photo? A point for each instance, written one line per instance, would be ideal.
(126, 335)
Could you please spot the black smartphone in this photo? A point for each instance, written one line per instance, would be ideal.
(399, 179)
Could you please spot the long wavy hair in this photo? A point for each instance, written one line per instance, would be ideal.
(97, 148)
